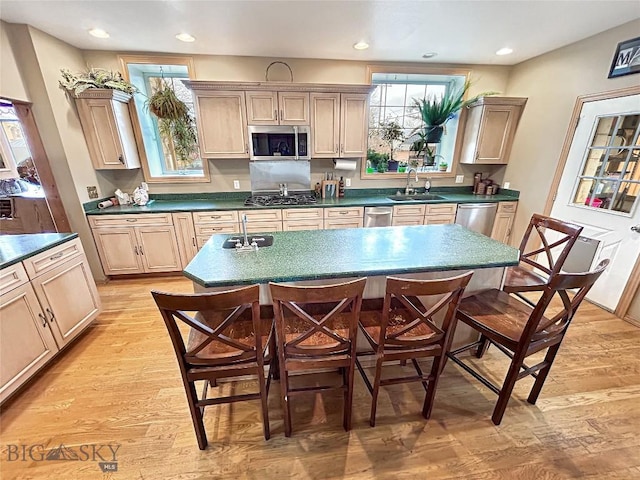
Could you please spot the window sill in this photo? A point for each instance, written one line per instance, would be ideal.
(392, 175)
(178, 179)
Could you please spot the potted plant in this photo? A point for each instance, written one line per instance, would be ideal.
(95, 78)
(435, 111)
(392, 135)
(442, 166)
(175, 123)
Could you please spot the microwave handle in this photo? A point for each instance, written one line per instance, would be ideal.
(295, 132)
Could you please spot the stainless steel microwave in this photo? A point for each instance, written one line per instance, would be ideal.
(280, 142)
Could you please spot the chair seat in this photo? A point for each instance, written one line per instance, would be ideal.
(496, 314)
(520, 279)
(241, 330)
(370, 322)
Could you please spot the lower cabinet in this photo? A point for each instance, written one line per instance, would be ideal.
(343, 217)
(503, 223)
(440, 213)
(37, 318)
(404, 215)
(302, 219)
(186, 236)
(146, 247)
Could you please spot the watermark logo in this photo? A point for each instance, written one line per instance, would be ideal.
(104, 454)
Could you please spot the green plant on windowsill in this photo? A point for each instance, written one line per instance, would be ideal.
(95, 78)
(378, 161)
(442, 166)
(435, 111)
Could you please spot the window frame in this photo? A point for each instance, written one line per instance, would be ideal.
(124, 61)
(418, 70)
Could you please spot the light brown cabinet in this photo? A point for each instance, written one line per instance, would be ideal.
(106, 119)
(490, 128)
(440, 213)
(36, 317)
(186, 236)
(211, 223)
(343, 217)
(339, 125)
(222, 124)
(277, 108)
(503, 222)
(143, 243)
(302, 219)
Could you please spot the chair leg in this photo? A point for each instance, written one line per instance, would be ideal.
(284, 399)
(374, 393)
(264, 397)
(482, 348)
(348, 395)
(275, 363)
(196, 415)
(542, 375)
(507, 388)
(433, 383)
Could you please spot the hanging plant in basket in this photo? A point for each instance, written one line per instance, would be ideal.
(175, 122)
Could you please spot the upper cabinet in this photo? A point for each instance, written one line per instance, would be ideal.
(339, 124)
(222, 123)
(490, 128)
(337, 115)
(277, 108)
(106, 119)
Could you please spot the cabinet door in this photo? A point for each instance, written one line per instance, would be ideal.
(294, 108)
(262, 227)
(334, 223)
(222, 124)
(308, 224)
(118, 250)
(408, 220)
(325, 125)
(26, 341)
(109, 133)
(439, 219)
(67, 318)
(262, 108)
(353, 125)
(497, 129)
(186, 236)
(502, 227)
(158, 249)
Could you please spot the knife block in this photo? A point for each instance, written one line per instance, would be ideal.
(330, 188)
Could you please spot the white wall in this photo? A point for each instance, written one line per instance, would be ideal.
(553, 82)
(11, 84)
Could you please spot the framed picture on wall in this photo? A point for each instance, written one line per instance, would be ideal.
(626, 60)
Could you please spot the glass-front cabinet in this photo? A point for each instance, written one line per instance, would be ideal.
(610, 177)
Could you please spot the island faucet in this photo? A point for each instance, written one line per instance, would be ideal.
(244, 230)
(408, 189)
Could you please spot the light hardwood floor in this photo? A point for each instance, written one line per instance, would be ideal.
(119, 384)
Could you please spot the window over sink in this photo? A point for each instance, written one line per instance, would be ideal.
(394, 122)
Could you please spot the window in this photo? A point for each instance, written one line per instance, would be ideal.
(610, 178)
(162, 163)
(392, 108)
(15, 157)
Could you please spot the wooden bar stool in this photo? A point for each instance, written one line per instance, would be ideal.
(316, 328)
(227, 339)
(404, 329)
(522, 277)
(520, 331)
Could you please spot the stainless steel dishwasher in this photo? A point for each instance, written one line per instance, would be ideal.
(478, 217)
(377, 216)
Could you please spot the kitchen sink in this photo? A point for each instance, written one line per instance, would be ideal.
(261, 240)
(409, 198)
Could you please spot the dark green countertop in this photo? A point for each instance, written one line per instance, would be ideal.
(318, 254)
(235, 201)
(15, 248)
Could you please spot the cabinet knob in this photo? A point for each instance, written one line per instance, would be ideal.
(281, 115)
(140, 250)
(56, 256)
(53, 317)
(193, 240)
(121, 159)
(44, 320)
(135, 249)
(275, 114)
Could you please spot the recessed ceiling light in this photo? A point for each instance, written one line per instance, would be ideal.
(429, 55)
(185, 37)
(99, 33)
(504, 51)
(361, 45)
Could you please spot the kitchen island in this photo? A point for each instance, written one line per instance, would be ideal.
(318, 257)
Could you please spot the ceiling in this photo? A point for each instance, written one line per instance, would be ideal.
(458, 31)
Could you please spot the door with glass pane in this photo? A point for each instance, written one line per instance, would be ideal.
(600, 189)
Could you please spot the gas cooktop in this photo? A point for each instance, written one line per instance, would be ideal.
(272, 200)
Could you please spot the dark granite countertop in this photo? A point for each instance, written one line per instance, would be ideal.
(15, 248)
(319, 254)
(167, 203)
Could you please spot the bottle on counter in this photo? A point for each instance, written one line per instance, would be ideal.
(318, 190)
(477, 178)
(341, 187)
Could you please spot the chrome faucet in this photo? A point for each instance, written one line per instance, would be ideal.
(409, 189)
